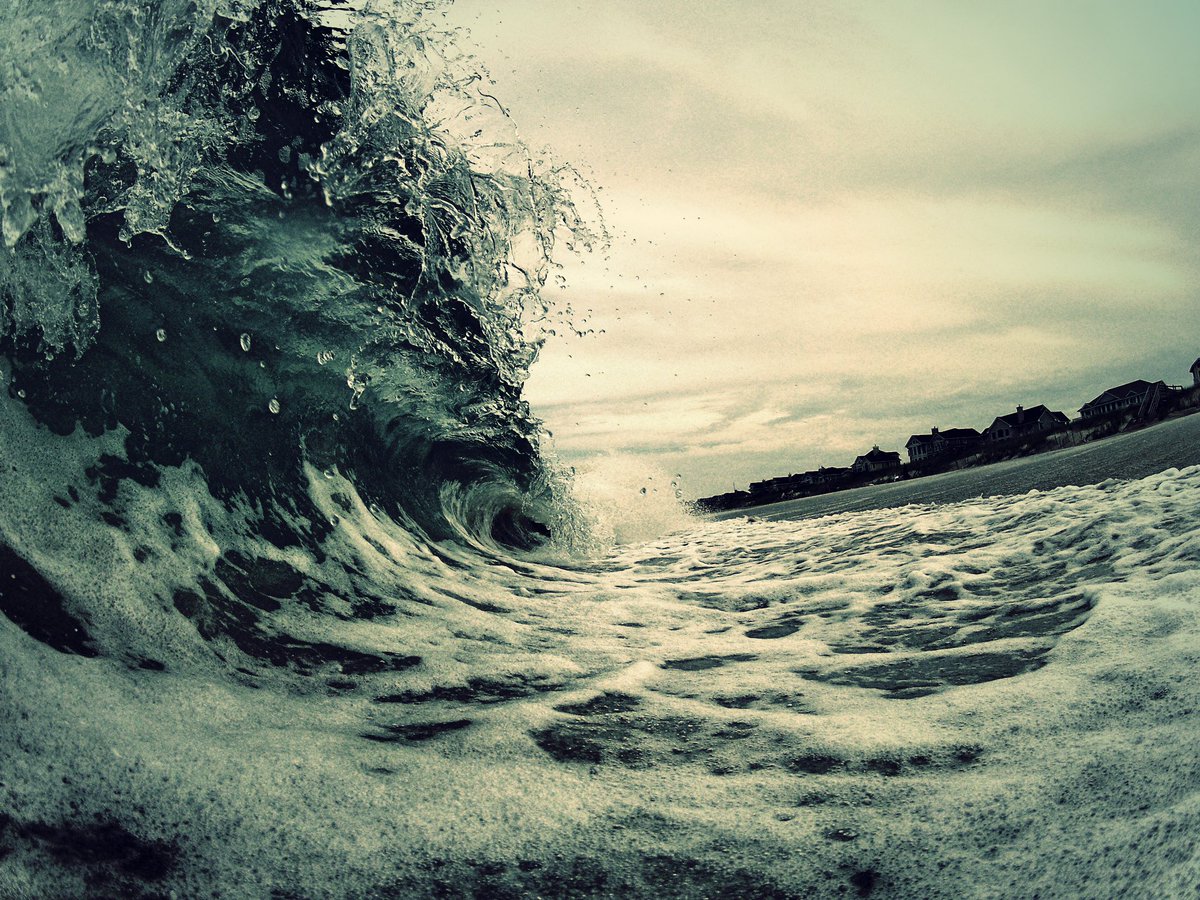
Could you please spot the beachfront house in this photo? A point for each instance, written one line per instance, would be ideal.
(827, 475)
(1135, 397)
(942, 444)
(1196, 373)
(771, 486)
(1024, 423)
(876, 460)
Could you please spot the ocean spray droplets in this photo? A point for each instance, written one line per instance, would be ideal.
(153, 99)
(453, 327)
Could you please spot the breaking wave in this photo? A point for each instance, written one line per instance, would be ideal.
(259, 236)
(292, 598)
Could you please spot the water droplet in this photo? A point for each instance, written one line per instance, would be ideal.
(273, 406)
(245, 340)
(643, 490)
(148, 277)
(161, 334)
(21, 393)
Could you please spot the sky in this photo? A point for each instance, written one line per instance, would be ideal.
(837, 224)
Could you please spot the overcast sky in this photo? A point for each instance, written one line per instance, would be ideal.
(837, 224)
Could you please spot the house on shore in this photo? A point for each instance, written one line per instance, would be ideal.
(1024, 423)
(1136, 397)
(1196, 373)
(942, 444)
(769, 486)
(731, 500)
(877, 460)
(832, 474)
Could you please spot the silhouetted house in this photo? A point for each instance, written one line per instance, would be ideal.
(770, 486)
(783, 487)
(832, 474)
(1131, 397)
(731, 500)
(1024, 423)
(1196, 373)
(949, 443)
(877, 461)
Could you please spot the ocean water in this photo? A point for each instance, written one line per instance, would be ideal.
(295, 604)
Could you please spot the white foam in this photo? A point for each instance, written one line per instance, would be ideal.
(629, 501)
(730, 748)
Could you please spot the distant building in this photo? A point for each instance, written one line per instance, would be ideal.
(877, 461)
(768, 486)
(1196, 373)
(731, 500)
(1129, 397)
(775, 487)
(832, 474)
(949, 443)
(1024, 423)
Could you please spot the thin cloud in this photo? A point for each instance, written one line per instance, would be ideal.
(838, 224)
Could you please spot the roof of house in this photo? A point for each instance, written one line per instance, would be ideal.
(877, 455)
(948, 434)
(1196, 365)
(1122, 391)
(1030, 415)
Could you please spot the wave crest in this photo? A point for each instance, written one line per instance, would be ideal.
(277, 232)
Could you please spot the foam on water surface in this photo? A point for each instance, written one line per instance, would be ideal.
(293, 604)
(989, 698)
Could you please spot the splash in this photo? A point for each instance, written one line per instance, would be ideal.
(318, 210)
(294, 603)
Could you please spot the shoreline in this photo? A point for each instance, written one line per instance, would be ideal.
(1073, 437)
(1171, 442)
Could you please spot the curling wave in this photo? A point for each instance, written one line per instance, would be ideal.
(285, 608)
(253, 234)
(258, 240)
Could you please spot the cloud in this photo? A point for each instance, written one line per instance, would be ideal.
(837, 224)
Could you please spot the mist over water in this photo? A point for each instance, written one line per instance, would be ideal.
(296, 604)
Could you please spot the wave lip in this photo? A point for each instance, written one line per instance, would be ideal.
(260, 234)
